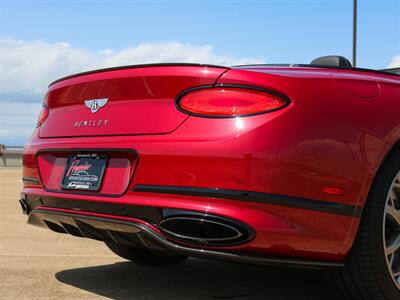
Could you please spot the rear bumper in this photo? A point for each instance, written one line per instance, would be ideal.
(301, 235)
(116, 228)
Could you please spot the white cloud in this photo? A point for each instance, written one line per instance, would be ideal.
(395, 63)
(27, 67)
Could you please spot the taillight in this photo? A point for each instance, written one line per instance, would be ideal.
(44, 113)
(230, 101)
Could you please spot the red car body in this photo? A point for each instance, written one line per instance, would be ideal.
(294, 180)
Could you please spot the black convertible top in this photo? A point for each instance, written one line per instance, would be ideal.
(392, 70)
(330, 62)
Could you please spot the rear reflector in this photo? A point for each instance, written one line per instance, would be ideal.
(230, 101)
(336, 191)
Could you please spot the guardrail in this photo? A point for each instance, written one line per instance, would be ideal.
(11, 156)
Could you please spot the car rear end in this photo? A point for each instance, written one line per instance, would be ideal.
(193, 159)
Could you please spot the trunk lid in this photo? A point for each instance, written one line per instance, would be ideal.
(133, 100)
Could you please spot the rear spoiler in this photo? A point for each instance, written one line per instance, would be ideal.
(136, 66)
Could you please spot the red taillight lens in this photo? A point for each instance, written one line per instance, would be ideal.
(230, 101)
(44, 113)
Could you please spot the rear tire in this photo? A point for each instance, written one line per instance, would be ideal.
(144, 256)
(367, 274)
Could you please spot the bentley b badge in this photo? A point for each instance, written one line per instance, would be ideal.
(96, 104)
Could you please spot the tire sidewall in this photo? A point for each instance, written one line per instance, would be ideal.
(375, 207)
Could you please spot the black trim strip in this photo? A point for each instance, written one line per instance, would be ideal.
(274, 199)
(31, 180)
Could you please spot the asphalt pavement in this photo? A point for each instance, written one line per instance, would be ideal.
(39, 264)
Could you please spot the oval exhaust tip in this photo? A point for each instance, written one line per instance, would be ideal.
(24, 207)
(199, 229)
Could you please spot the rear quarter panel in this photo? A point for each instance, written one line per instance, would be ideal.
(357, 116)
(354, 121)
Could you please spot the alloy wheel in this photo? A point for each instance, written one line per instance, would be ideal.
(391, 230)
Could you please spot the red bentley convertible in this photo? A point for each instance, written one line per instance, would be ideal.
(279, 164)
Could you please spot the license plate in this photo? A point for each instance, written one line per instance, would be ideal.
(84, 172)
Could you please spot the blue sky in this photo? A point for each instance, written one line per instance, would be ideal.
(55, 38)
(278, 31)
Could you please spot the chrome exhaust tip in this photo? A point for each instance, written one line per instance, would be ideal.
(24, 206)
(205, 230)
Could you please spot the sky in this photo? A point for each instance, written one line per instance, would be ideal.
(41, 41)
